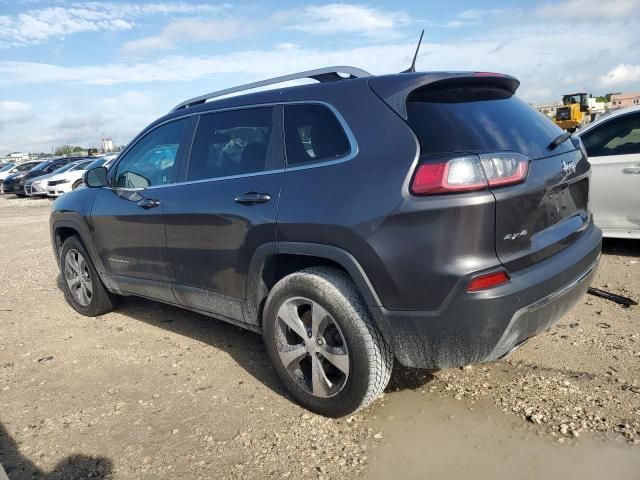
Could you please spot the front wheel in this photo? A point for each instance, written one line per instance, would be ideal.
(83, 288)
(76, 184)
(323, 343)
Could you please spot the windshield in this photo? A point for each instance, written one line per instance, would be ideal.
(82, 165)
(8, 166)
(580, 98)
(64, 168)
(96, 163)
(42, 166)
(23, 167)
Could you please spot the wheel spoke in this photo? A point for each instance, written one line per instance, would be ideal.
(73, 282)
(290, 355)
(319, 320)
(72, 262)
(288, 313)
(78, 277)
(84, 297)
(336, 357)
(82, 264)
(320, 383)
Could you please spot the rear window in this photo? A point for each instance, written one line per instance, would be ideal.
(479, 120)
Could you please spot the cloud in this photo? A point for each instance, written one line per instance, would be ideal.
(622, 75)
(337, 18)
(189, 30)
(14, 114)
(331, 19)
(36, 26)
(589, 9)
(9, 107)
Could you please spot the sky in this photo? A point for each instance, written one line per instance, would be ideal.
(71, 72)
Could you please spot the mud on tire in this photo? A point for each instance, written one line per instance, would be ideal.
(369, 356)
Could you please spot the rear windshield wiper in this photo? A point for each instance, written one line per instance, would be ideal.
(558, 140)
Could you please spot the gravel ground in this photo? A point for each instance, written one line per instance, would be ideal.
(151, 391)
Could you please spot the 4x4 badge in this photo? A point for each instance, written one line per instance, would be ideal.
(568, 167)
(513, 236)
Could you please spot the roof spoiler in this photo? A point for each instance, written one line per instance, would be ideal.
(394, 89)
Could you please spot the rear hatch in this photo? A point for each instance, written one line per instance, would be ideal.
(479, 114)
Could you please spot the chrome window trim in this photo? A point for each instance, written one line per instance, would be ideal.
(353, 144)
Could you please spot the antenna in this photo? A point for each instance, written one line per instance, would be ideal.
(412, 68)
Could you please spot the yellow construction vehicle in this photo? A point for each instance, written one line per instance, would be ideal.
(574, 113)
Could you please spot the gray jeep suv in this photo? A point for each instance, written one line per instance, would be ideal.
(433, 219)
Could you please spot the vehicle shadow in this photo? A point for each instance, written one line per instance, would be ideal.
(18, 467)
(625, 247)
(245, 347)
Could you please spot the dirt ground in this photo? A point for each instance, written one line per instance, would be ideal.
(151, 391)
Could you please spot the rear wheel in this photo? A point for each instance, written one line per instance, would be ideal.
(323, 344)
(83, 288)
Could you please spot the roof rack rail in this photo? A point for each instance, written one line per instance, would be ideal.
(322, 75)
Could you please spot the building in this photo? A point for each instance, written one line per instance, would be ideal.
(597, 107)
(18, 157)
(548, 109)
(107, 144)
(622, 100)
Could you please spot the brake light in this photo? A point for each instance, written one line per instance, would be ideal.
(489, 280)
(469, 173)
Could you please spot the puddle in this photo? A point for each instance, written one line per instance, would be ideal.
(430, 437)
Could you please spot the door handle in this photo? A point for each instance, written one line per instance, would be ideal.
(148, 203)
(250, 198)
(631, 170)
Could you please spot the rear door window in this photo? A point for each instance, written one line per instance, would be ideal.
(618, 136)
(448, 120)
(232, 143)
(313, 134)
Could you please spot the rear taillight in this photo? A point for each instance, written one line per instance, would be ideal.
(468, 173)
(488, 280)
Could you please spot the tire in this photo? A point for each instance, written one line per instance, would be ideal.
(76, 184)
(325, 300)
(98, 301)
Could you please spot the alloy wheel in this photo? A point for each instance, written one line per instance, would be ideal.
(311, 347)
(78, 277)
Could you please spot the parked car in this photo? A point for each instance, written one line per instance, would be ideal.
(37, 186)
(15, 183)
(433, 219)
(72, 179)
(613, 146)
(16, 170)
(4, 170)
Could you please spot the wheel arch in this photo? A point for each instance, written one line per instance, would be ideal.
(62, 230)
(273, 261)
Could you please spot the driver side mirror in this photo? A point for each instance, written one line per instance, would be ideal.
(96, 177)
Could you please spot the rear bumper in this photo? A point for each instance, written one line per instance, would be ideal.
(484, 326)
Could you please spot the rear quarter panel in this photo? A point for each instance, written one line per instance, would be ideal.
(342, 204)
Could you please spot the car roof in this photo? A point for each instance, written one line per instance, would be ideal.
(605, 118)
(390, 87)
